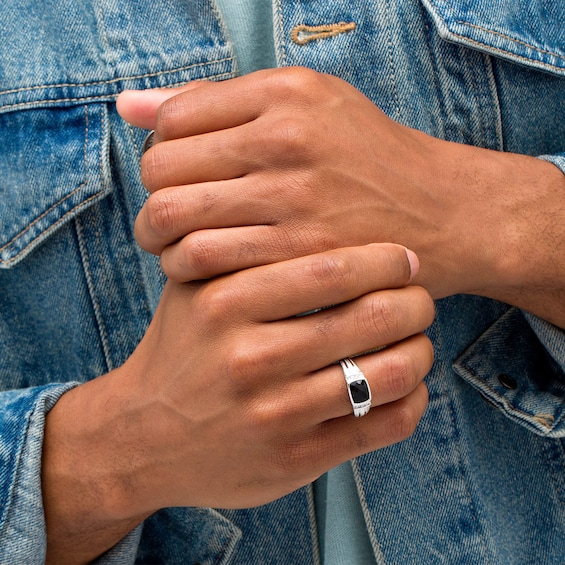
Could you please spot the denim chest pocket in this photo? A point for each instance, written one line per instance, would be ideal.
(528, 33)
(62, 65)
(53, 164)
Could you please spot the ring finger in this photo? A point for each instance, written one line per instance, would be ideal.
(392, 374)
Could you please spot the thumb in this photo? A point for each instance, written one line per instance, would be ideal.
(139, 107)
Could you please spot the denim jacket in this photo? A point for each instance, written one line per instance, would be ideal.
(483, 478)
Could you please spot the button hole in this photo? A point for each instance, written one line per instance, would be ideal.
(303, 34)
(507, 381)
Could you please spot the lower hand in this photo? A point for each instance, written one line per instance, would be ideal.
(231, 400)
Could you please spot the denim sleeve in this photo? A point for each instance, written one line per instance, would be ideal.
(22, 524)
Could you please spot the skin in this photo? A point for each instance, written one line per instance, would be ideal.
(277, 168)
(230, 400)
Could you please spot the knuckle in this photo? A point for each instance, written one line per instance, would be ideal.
(245, 365)
(332, 270)
(200, 253)
(161, 212)
(379, 317)
(171, 112)
(289, 138)
(429, 306)
(292, 80)
(153, 163)
(218, 304)
(400, 375)
(404, 421)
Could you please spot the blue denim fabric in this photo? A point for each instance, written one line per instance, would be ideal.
(482, 480)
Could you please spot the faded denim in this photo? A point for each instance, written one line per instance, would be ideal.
(482, 480)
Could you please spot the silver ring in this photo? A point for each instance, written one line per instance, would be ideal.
(357, 387)
(147, 142)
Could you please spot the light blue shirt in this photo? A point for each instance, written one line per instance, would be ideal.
(341, 526)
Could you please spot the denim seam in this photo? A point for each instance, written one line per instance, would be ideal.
(391, 63)
(476, 91)
(51, 208)
(502, 400)
(465, 480)
(113, 80)
(102, 332)
(101, 26)
(313, 524)
(510, 38)
(15, 459)
(499, 34)
(492, 85)
(507, 53)
(555, 476)
(139, 277)
(377, 551)
(435, 77)
(278, 32)
(220, 18)
(101, 97)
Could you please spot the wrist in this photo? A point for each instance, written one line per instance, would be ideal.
(90, 471)
(520, 229)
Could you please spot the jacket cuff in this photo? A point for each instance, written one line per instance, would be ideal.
(519, 371)
(22, 423)
(22, 523)
(558, 160)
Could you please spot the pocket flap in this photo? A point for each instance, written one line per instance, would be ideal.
(53, 164)
(530, 33)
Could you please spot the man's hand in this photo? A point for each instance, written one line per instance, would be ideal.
(231, 400)
(288, 162)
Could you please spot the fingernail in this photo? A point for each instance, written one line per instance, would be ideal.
(414, 263)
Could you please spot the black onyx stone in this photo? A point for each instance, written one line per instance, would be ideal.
(359, 391)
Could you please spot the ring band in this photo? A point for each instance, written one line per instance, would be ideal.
(357, 387)
(148, 142)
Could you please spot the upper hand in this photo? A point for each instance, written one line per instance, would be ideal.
(287, 162)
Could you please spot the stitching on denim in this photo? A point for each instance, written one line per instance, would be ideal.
(302, 34)
(466, 479)
(103, 333)
(510, 38)
(39, 218)
(377, 550)
(391, 60)
(556, 476)
(278, 31)
(110, 81)
(506, 52)
(314, 535)
(502, 400)
(102, 97)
